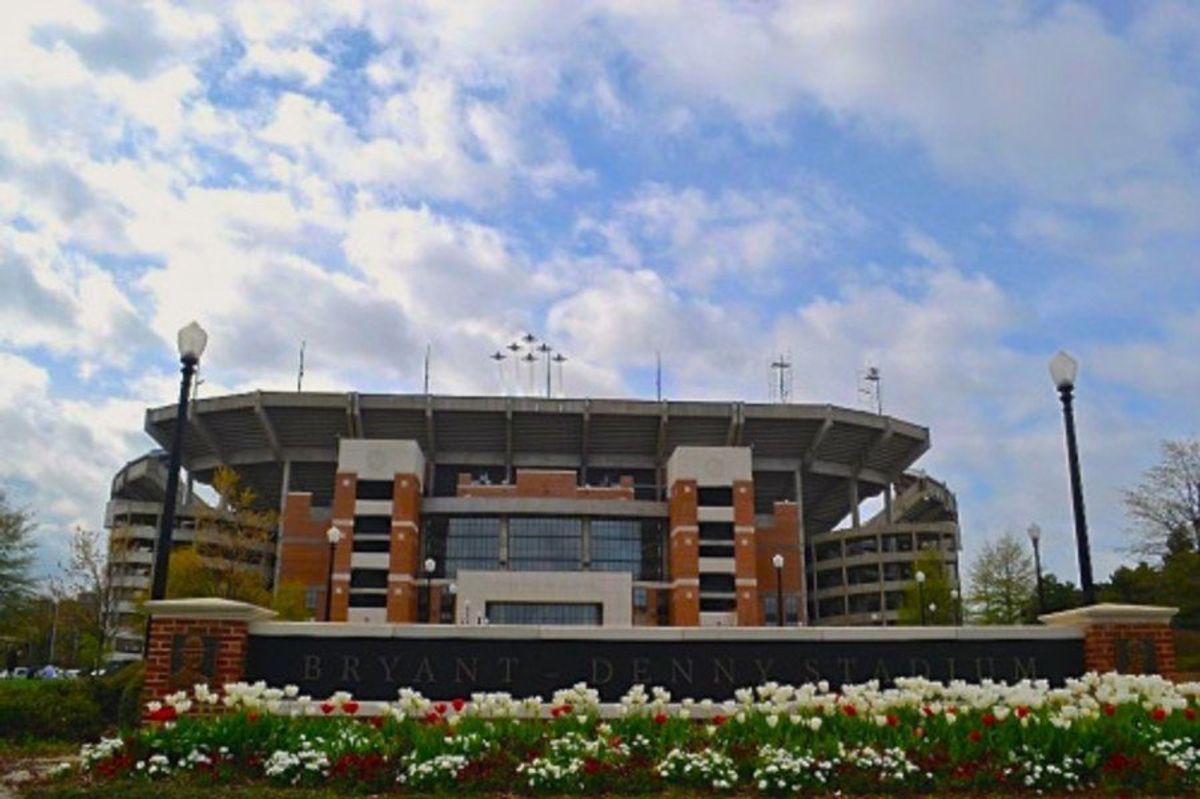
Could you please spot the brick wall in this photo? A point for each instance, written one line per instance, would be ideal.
(781, 538)
(228, 661)
(559, 484)
(684, 555)
(1131, 649)
(304, 548)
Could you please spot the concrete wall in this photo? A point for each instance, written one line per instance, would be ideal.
(709, 466)
(611, 590)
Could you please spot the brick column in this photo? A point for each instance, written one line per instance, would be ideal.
(197, 641)
(405, 551)
(1127, 639)
(684, 559)
(345, 490)
(746, 582)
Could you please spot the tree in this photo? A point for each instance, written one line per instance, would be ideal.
(289, 602)
(1166, 502)
(1002, 581)
(1060, 595)
(938, 586)
(90, 578)
(16, 555)
(232, 543)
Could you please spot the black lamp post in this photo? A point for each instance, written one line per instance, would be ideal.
(430, 564)
(921, 594)
(333, 535)
(192, 340)
(1063, 369)
(777, 562)
(956, 598)
(1035, 537)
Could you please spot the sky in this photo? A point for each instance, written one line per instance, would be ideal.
(948, 191)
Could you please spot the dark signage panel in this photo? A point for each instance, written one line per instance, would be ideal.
(445, 668)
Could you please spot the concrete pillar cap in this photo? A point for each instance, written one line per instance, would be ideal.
(1110, 613)
(208, 608)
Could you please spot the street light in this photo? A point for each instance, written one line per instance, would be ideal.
(191, 340)
(1035, 536)
(957, 600)
(452, 589)
(1063, 369)
(430, 564)
(921, 593)
(333, 535)
(777, 562)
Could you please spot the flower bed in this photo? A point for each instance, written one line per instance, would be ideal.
(1104, 732)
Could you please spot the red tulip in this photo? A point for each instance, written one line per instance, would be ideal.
(327, 708)
(350, 707)
(458, 705)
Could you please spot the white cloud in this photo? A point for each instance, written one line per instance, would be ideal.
(288, 63)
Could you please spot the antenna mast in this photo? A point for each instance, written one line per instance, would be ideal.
(428, 352)
(300, 373)
(781, 386)
(658, 374)
(871, 388)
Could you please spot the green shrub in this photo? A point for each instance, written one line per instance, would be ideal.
(49, 710)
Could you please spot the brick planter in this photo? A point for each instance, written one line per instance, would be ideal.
(197, 641)
(1127, 639)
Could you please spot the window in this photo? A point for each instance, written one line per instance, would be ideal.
(861, 546)
(716, 550)
(770, 607)
(893, 572)
(714, 496)
(373, 524)
(617, 546)
(545, 544)
(662, 610)
(544, 613)
(834, 606)
(721, 583)
(901, 542)
(712, 604)
(829, 550)
(864, 603)
(360, 600)
(639, 599)
(716, 531)
(368, 578)
(462, 542)
(829, 578)
(371, 544)
(791, 608)
(374, 489)
(310, 597)
(857, 575)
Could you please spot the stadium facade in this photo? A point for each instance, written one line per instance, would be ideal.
(602, 512)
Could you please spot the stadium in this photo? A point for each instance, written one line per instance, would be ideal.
(578, 511)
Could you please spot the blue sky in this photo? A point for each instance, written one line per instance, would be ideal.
(949, 191)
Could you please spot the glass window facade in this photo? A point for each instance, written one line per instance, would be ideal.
(462, 542)
(537, 543)
(544, 613)
(632, 545)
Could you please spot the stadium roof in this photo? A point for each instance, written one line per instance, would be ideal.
(256, 433)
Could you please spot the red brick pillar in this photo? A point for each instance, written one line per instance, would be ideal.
(684, 555)
(197, 641)
(1128, 639)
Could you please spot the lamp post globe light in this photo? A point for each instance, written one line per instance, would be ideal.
(191, 341)
(333, 535)
(1063, 370)
(777, 562)
(957, 600)
(1035, 537)
(452, 589)
(921, 593)
(430, 566)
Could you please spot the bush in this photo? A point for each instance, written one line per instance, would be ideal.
(49, 710)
